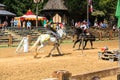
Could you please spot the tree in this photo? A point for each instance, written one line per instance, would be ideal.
(76, 8)
(20, 7)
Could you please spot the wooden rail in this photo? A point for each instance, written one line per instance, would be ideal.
(96, 75)
(100, 74)
(8, 39)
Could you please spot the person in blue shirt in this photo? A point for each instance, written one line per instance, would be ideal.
(28, 25)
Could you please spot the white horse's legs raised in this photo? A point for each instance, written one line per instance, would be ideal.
(37, 50)
(35, 43)
(41, 46)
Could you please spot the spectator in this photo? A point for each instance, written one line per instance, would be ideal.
(12, 22)
(28, 25)
(95, 24)
(23, 24)
(5, 24)
(15, 23)
(101, 25)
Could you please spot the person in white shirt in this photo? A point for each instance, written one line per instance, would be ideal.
(83, 26)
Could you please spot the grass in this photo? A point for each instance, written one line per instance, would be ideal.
(6, 46)
(66, 41)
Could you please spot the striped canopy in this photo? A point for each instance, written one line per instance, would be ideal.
(31, 16)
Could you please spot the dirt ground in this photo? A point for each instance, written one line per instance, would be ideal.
(22, 66)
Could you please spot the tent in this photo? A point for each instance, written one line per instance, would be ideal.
(31, 16)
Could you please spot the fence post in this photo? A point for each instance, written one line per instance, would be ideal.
(100, 35)
(10, 39)
(62, 75)
(29, 39)
(96, 78)
(118, 77)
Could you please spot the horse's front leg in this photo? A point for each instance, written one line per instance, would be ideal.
(75, 43)
(36, 53)
(91, 44)
(85, 44)
(80, 44)
(58, 49)
(51, 51)
(37, 50)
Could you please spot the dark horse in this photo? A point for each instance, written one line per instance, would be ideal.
(83, 37)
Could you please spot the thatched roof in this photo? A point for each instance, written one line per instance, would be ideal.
(6, 13)
(2, 5)
(55, 5)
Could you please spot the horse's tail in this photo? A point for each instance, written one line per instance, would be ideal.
(35, 44)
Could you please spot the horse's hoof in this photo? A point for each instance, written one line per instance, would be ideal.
(60, 54)
(35, 56)
(47, 56)
(78, 49)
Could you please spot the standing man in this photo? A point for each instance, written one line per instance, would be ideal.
(12, 22)
(28, 25)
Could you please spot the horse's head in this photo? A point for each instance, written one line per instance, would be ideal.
(61, 33)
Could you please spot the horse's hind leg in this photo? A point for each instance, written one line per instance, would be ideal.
(37, 50)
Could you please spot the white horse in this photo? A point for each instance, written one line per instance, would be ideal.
(45, 39)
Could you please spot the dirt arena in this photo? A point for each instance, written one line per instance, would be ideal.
(23, 66)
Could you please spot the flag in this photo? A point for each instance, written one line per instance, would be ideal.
(90, 5)
(91, 8)
(118, 9)
(89, 2)
(117, 14)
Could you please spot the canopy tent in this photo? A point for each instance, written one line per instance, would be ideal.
(31, 16)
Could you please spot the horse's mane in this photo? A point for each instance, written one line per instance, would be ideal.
(78, 30)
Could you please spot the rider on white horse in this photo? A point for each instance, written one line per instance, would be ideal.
(52, 30)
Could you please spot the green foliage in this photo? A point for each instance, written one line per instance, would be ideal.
(108, 7)
(77, 8)
(20, 7)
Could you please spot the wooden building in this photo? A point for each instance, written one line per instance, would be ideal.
(5, 15)
(56, 11)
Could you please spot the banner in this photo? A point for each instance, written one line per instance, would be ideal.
(117, 14)
(90, 5)
(118, 9)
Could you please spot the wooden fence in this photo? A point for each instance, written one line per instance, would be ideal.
(96, 75)
(8, 39)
